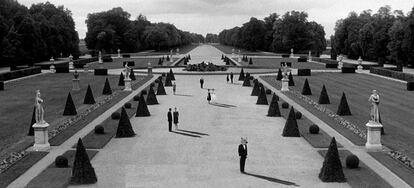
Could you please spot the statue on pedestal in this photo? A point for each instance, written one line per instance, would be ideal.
(76, 74)
(39, 111)
(374, 99)
(127, 70)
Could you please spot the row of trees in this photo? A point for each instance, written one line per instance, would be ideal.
(29, 35)
(277, 34)
(384, 36)
(212, 38)
(112, 30)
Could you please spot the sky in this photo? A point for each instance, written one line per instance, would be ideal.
(212, 16)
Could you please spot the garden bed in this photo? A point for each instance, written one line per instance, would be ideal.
(276, 63)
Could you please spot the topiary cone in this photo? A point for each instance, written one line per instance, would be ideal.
(107, 88)
(274, 110)
(256, 89)
(151, 98)
(121, 81)
(343, 108)
(132, 75)
(291, 126)
(262, 99)
(89, 99)
(161, 89)
(70, 109)
(279, 74)
(331, 170)
(241, 75)
(82, 171)
(250, 61)
(168, 82)
(124, 126)
(306, 89)
(172, 75)
(323, 97)
(291, 82)
(31, 129)
(246, 82)
(142, 109)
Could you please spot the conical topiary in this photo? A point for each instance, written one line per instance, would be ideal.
(107, 88)
(291, 82)
(132, 75)
(142, 109)
(262, 99)
(89, 99)
(124, 126)
(331, 170)
(241, 75)
(343, 108)
(250, 61)
(256, 89)
(121, 81)
(274, 110)
(31, 129)
(82, 171)
(151, 98)
(323, 97)
(279, 74)
(168, 82)
(246, 82)
(160, 88)
(70, 109)
(306, 90)
(172, 75)
(291, 126)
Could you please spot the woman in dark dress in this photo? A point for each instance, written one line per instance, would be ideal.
(175, 118)
(208, 96)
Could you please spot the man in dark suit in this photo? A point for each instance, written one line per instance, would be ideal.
(231, 77)
(243, 153)
(169, 115)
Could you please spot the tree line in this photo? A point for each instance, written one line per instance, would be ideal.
(277, 33)
(385, 36)
(29, 35)
(111, 30)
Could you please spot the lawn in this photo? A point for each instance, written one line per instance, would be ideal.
(117, 63)
(228, 50)
(183, 50)
(396, 103)
(275, 63)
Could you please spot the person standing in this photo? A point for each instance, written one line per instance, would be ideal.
(227, 78)
(175, 117)
(174, 88)
(169, 116)
(243, 153)
(213, 95)
(208, 96)
(201, 82)
(231, 77)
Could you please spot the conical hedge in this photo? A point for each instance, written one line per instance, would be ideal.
(262, 99)
(343, 108)
(250, 61)
(132, 75)
(274, 110)
(82, 171)
(124, 126)
(70, 109)
(151, 98)
(31, 129)
(291, 82)
(121, 81)
(160, 88)
(172, 75)
(279, 74)
(241, 75)
(323, 97)
(168, 82)
(107, 88)
(291, 126)
(331, 170)
(246, 82)
(89, 99)
(306, 90)
(256, 89)
(142, 109)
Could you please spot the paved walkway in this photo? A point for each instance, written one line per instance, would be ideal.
(206, 53)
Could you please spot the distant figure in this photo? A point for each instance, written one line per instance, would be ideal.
(213, 95)
(169, 115)
(227, 78)
(174, 87)
(201, 82)
(175, 116)
(39, 112)
(374, 99)
(208, 96)
(243, 153)
(231, 77)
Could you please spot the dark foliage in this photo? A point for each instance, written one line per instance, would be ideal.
(31, 129)
(324, 97)
(151, 98)
(246, 82)
(172, 75)
(314, 129)
(331, 170)
(121, 81)
(99, 129)
(101, 72)
(291, 126)
(168, 82)
(343, 108)
(291, 82)
(115, 115)
(70, 109)
(142, 109)
(298, 115)
(160, 88)
(352, 161)
(132, 74)
(61, 162)
(279, 74)
(124, 126)
(89, 99)
(306, 90)
(107, 88)
(274, 110)
(304, 72)
(82, 171)
(256, 89)
(241, 75)
(262, 99)
(127, 105)
(285, 105)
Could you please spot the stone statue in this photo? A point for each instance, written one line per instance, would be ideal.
(39, 112)
(374, 99)
(76, 74)
(285, 71)
(127, 70)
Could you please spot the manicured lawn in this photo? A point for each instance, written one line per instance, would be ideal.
(396, 106)
(228, 50)
(275, 63)
(183, 50)
(117, 63)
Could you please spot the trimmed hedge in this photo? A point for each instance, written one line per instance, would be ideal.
(19, 73)
(302, 59)
(107, 58)
(331, 66)
(285, 105)
(352, 161)
(285, 55)
(82, 62)
(410, 86)
(348, 70)
(126, 55)
(127, 105)
(1, 86)
(116, 115)
(130, 63)
(393, 73)
(62, 69)
(101, 72)
(99, 129)
(304, 72)
(325, 60)
(314, 129)
(61, 162)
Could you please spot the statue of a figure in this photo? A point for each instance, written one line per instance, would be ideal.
(76, 74)
(285, 70)
(127, 70)
(374, 99)
(39, 112)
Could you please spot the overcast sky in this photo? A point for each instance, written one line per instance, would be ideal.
(212, 16)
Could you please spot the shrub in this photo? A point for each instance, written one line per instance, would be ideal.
(262, 99)
(136, 97)
(99, 129)
(285, 105)
(107, 88)
(251, 78)
(323, 97)
(285, 55)
(291, 81)
(352, 161)
(304, 72)
(348, 70)
(289, 64)
(268, 91)
(70, 109)
(393, 73)
(127, 105)
(144, 92)
(130, 63)
(302, 59)
(163, 74)
(314, 129)
(62, 69)
(61, 162)
(82, 171)
(115, 115)
(291, 126)
(343, 108)
(121, 81)
(331, 170)
(331, 66)
(1, 86)
(410, 86)
(126, 55)
(107, 58)
(298, 115)
(101, 72)
(89, 99)
(306, 90)
(241, 75)
(279, 74)
(157, 81)
(152, 85)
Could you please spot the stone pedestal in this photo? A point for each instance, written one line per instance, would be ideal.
(127, 84)
(285, 84)
(239, 59)
(86, 68)
(340, 65)
(100, 60)
(75, 85)
(52, 68)
(71, 65)
(359, 68)
(373, 136)
(41, 138)
(149, 69)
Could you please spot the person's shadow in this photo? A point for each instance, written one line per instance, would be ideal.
(272, 179)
